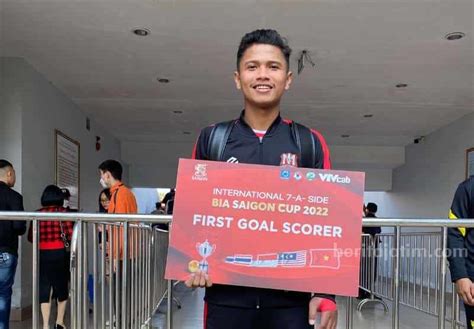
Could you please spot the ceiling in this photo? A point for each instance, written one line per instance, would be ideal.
(362, 49)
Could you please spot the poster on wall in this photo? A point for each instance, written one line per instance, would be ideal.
(469, 162)
(68, 166)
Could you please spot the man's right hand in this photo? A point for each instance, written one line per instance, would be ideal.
(198, 280)
(465, 290)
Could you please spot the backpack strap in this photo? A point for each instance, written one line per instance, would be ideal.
(306, 144)
(218, 140)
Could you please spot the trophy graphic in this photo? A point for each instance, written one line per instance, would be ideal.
(205, 249)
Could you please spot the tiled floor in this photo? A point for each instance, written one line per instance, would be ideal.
(190, 316)
(372, 317)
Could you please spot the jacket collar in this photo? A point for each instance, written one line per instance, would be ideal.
(270, 129)
(115, 187)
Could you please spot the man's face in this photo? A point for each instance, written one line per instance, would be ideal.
(105, 178)
(263, 75)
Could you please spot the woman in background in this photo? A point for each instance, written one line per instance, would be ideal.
(104, 200)
(54, 239)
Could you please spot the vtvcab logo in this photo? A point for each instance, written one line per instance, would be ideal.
(331, 178)
(200, 172)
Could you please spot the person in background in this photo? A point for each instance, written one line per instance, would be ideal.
(122, 201)
(104, 200)
(54, 239)
(67, 198)
(159, 211)
(369, 212)
(168, 201)
(461, 247)
(10, 230)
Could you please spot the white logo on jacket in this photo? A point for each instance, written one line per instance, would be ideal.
(288, 159)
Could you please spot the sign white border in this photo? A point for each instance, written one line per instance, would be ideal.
(67, 164)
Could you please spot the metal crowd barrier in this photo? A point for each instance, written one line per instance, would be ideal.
(410, 269)
(369, 271)
(132, 286)
(419, 273)
(127, 286)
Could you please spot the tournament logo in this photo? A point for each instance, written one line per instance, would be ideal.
(288, 159)
(297, 175)
(205, 249)
(310, 176)
(200, 172)
(285, 174)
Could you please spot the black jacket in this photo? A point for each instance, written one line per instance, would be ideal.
(373, 230)
(10, 200)
(461, 240)
(244, 146)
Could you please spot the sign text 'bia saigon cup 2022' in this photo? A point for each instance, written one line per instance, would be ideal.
(266, 226)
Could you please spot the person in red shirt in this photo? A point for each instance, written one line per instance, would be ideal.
(54, 238)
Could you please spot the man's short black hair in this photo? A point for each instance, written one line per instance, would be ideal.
(5, 164)
(52, 196)
(265, 37)
(372, 207)
(113, 167)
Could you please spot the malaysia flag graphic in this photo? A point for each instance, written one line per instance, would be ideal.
(292, 259)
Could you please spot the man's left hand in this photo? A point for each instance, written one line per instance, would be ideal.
(328, 318)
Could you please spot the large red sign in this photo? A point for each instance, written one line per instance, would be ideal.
(265, 226)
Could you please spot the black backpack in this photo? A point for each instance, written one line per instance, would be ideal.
(304, 139)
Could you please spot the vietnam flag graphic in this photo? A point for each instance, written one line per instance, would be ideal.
(327, 258)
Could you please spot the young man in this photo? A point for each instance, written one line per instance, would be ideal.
(122, 201)
(461, 247)
(370, 212)
(261, 136)
(9, 232)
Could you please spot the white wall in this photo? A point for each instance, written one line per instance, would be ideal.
(150, 163)
(425, 185)
(10, 121)
(152, 166)
(42, 108)
(11, 139)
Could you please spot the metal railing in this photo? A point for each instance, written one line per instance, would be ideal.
(135, 281)
(123, 255)
(126, 290)
(369, 271)
(410, 269)
(419, 273)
